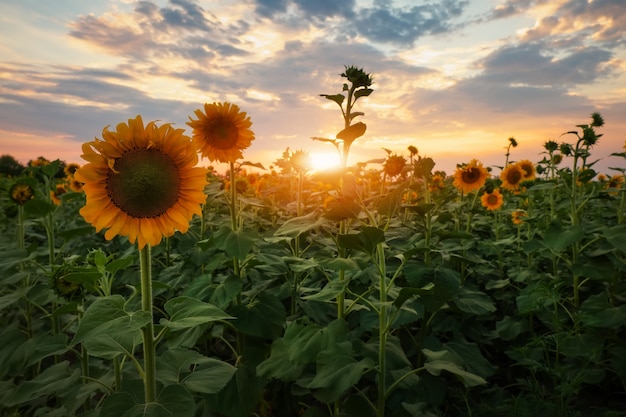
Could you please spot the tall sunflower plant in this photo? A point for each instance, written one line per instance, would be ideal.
(141, 182)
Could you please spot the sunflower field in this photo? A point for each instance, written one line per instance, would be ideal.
(143, 284)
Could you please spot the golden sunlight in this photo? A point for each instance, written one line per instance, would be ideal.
(321, 161)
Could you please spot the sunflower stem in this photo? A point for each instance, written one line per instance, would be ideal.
(20, 227)
(149, 350)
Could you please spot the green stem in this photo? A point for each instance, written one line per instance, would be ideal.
(20, 227)
(149, 350)
(117, 369)
(382, 331)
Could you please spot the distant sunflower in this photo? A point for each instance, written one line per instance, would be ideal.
(394, 165)
(518, 216)
(221, 132)
(55, 195)
(75, 185)
(492, 200)
(141, 182)
(70, 169)
(21, 193)
(528, 168)
(512, 176)
(470, 177)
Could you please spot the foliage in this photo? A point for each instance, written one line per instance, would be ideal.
(448, 308)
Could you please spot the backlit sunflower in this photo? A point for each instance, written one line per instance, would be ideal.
(221, 132)
(512, 176)
(393, 165)
(528, 168)
(470, 177)
(141, 182)
(492, 200)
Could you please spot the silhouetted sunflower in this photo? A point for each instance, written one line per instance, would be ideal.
(21, 193)
(470, 177)
(221, 132)
(141, 182)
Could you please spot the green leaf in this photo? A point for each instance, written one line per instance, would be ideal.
(226, 291)
(298, 225)
(54, 379)
(264, 317)
(329, 292)
(172, 401)
(38, 208)
(615, 236)
(107, 316)
(237, 244)
(337, 371)
(366, 240)
(389, 204)
(364, 92)
(443, 361)
(558, 239)
(209, 375)
(536, 297)
(337, 98)
(473, 301)
(188, 312)
(78, 231)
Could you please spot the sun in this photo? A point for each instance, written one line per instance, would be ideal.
(322, 161)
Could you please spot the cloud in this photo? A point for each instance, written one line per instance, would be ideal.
(405, 25)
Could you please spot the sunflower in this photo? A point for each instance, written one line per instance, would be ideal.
(518, 216)
(492, 200)
(70, 169)
(470, 177)
(394, 165)
(55, 195)
(221, 132)
(528, 168)
(75, 185)
(21, 193)
(141, 182)
(512, 176)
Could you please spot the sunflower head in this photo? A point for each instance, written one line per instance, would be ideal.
(20, 193)
(512, 176)
(55, 195)
(493, 200)
(141, 182)
(517, 216)
(470, 177)
(528, 168)
(221, 131)
(393, 165)
(70, 169)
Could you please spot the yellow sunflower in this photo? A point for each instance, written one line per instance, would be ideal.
(492, 200)
(518, 216)
(141, 182)
(70, 169)
(55, 195)
(21, 193)
(470, 177)
(221, 132)
(528, 168)
(512, 176)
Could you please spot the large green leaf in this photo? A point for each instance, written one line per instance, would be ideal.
(472, 301)
(106, 317)
(237, 244)
(54, 379)
(263, 317)
(194, 371)
(444, 361)
(366, 240)
(172, 401)
(185, 312)
(298, 225)
(558, 239)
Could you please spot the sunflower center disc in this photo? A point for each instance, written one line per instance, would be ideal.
(223, 134)
(514, 177)
(471, 175)
(146, 183)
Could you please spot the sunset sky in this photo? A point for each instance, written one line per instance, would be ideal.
(453, 78)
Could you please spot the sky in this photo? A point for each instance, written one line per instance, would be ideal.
(454, 78)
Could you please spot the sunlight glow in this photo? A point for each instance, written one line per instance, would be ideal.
(322, 161)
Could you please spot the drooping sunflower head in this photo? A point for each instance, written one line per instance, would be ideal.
(21, 193)
(512, 176)
(141, 182)
(493, 200)
(470, 177)
(528, 168)
(221, 131)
